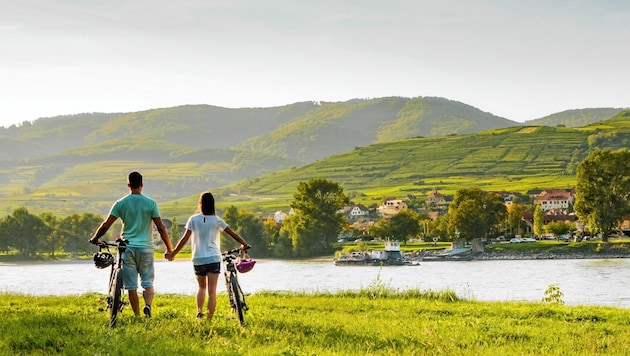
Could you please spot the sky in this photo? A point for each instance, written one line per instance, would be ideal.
(518, 59)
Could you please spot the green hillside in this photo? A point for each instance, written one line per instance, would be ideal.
(255, 157)
(515, 159)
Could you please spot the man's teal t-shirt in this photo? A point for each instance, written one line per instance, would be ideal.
(136, 212)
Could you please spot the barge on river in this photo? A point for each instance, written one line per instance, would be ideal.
(390, 256)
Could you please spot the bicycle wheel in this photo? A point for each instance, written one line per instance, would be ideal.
(116, 293)
(239, 299)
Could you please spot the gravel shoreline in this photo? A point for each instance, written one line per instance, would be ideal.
(493, 256)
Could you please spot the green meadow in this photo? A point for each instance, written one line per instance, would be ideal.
(373, 321)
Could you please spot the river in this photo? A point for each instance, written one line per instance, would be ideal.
(603, 282)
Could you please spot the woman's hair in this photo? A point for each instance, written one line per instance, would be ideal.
(206, 203)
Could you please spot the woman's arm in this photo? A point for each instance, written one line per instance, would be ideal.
(237, 238)
(180, 244)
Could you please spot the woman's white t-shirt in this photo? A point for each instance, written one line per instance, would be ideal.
(205, 238)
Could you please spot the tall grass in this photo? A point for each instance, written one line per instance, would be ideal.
(373, 321)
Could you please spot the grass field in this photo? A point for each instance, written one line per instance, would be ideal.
(374, 321)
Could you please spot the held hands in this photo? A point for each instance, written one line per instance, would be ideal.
(169, 255)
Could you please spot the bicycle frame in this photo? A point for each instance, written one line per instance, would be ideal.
(115, 292)
(235, 294)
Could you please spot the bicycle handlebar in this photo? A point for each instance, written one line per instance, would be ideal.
(230, 252)
(120, 242)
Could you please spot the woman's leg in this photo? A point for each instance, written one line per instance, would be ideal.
(212, 293)
(201, 293)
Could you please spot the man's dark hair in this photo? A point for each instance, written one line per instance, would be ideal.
(135, 180)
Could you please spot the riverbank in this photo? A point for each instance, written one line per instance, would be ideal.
(547, 255)
(541, 251)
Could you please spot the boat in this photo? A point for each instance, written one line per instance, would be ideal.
(391, 255)
(453, 254)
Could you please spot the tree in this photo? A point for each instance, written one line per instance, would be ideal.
(230, 216)
(474, 213)
(271, 232)
(441, 227)
(75, 230)
(5, 225)
(54, 240)
(466, 221)
(246, 224)
(380, 229)
(514, 217)
(251, 228)
(27, 232)
(174, 234)
(404, 225)
(316, 224)
(603, 190)
(539, 221)
(557, 228)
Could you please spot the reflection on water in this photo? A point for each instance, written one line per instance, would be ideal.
(588, 282)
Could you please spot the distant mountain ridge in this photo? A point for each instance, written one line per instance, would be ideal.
(191, 148)
(332, 128)
(575, 117)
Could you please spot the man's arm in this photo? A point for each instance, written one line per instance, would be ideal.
(102, 230)
(180, 244)
(163, 233)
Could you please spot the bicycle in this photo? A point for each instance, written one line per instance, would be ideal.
(233, 287)
(115, 290)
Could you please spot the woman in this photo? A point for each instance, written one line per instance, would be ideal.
(205, 228)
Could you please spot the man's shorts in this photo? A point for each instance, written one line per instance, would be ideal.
(202, 270)
(138, 261)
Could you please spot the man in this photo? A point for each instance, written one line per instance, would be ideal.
(136, 211)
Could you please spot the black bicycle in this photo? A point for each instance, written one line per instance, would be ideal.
(115, 292)
(235, 263)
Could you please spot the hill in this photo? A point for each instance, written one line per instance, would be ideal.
(515, 159)
(319, 129)
(576, 117)
(77, 163)
(338, 127)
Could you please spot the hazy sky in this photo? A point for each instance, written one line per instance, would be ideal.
(520, 59)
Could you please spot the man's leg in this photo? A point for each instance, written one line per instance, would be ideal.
(147, 274)
(147, 294)
(134, 301)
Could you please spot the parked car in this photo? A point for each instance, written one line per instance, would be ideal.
(527, 239)
(516, 240)
(564, 238)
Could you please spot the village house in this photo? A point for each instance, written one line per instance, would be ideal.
(555, 199)
(437, 200)
(391, 207)
(549, 216)
(508, 197)
(279, 217)
(357, 211)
